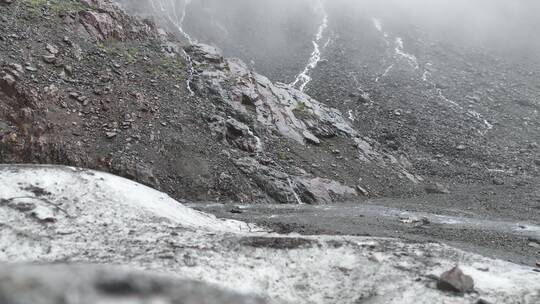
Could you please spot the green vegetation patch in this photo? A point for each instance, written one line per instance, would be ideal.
(36, 8)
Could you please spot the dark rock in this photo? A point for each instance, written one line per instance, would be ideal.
(362, 190)
(236, 210)
(277, 242)
(498, 181)
(455, 280)
(436, 188)
(9, 80)
(51, 59)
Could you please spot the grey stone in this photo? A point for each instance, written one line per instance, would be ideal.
(51, 49)
(436, 188)
(49, 59)
(455, 280)
(498, 181)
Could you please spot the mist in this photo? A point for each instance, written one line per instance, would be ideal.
(260, 29)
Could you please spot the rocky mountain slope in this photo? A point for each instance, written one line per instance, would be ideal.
(86, 85)
(460, 112)
(444, 125)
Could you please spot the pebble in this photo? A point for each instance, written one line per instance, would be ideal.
(49, 59)
(534, 245)
(52, 49)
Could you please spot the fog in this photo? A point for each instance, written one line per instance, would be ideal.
(278, 34)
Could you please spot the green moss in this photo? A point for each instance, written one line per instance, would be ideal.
(301, 107)
(35, 8)
(131, 54)
(302, 111)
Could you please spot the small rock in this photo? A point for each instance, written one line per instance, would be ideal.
(461, 147)
(534, 245)
(49, 59)
(363, 191)
(534, 239)
(456, 281)
(67, 41)
(436, 188)
(68, 69)
(310, 138)
(9, 80)
(538, 264)
(51, 49)
(498, 181)
(236, 210)
(415, 221)
(44, 214)
(111, 135)
(17, 68)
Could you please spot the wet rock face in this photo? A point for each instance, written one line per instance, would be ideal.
(236, 133)
(70, 284)
(280, 107)
(294, 189)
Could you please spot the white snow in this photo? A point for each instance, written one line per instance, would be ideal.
(115, 221)
(111, 190)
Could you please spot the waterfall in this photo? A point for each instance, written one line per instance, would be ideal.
(303, 79)
(169, 9)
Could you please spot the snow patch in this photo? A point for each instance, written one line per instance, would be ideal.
(110, 189)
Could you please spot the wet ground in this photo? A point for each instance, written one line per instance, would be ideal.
(505, 236)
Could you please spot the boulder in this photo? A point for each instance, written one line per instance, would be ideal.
(455, 280)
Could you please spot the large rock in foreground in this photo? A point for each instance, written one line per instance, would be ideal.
(51, 214)
(44, 284)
